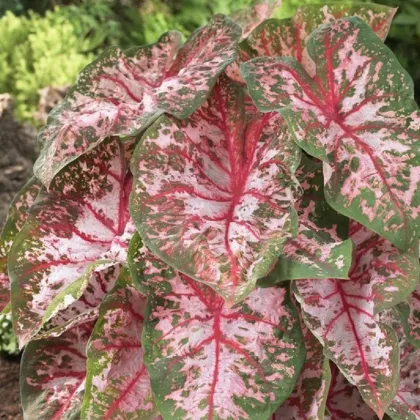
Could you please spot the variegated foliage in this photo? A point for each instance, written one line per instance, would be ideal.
(118, 385)
(223, 196)
(209, 361)
(410, 311)
(308, 399)
(16, 217)
(341, 314)
(122, 93)
(344, 401)
(351, 105)
(83, 220)
(320, 249)
(213, 195)
(53, 375)
(288, 37)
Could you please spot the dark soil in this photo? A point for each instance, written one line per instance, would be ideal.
(10, 408)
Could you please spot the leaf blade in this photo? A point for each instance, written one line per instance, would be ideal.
(220, 189)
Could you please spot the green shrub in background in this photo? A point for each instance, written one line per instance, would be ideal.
(36, 52)
(8, 341)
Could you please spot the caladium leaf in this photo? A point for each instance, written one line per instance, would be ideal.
(118, 385)
(16, 217)
(340, 314)
(308, 399)
(391, 273)
(121, 93)
(83, 219)
(410, 311)
(80, 300)
(344, 400)
(352, 107)
(209, 361)
(213, 195)
(53, 374)
(406, 404)
(288, 37)
(254, 14)
(318, 251)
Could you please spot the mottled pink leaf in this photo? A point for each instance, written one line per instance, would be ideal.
(341, 314)
(308, 399)
(84, 218)
(80, 300)
(319, 249)
(122, 93)
(254, 14)
(213, 195)
(16, 217)
(209, 361)
(344, 400)
(118, 385)
(288, 37)
(352, 107)
(406, 404)
(53, 374)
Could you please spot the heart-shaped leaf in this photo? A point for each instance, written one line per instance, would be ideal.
(319, 250)
(122, 93)
(344, 400)
(308, 399)
(209, 361)
(82, 220)
(53, 374)
(213, 195)
(118, 385)
(16, 217)
(352, 107)
(341, 314)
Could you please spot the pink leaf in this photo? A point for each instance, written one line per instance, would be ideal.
(341, 315)
(82, 220)
(122, 93)
(344, 400)
(288, 37)
(308, 399)
(16, 217)
(319, 249)
(118, 385)
(214, 194)
(209, 361)
(406, 404)
(53, 375)
(351, 106)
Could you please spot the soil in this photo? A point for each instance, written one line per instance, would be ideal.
(10, 408)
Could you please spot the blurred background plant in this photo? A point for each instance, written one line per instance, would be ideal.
(8, 341)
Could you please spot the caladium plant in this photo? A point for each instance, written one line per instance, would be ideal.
(225, 229)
